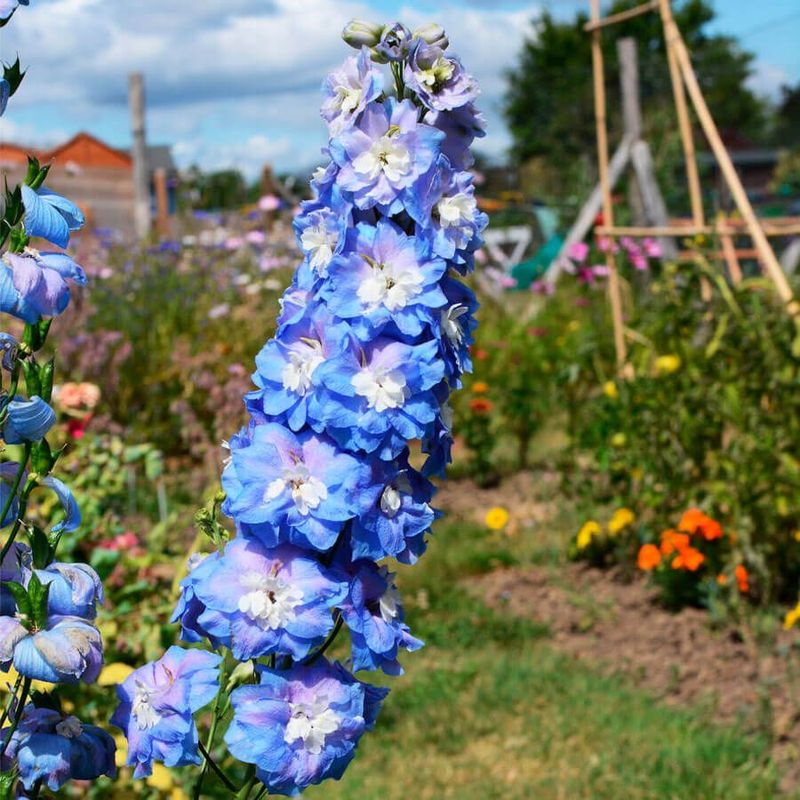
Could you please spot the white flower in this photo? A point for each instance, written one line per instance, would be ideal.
(311, 723)
(270, 602)
(382, 388)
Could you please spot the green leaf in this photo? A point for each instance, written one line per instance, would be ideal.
(40, 546)
(38, 592)
(33, 382)
(20, 597)
(41, 457)
(7, 785)
(46, 375)
(14, 74)
(104, 561)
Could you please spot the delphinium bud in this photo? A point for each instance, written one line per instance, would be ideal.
(359, 33)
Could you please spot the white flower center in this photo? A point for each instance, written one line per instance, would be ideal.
(312, 723)
(457, 210)
(319, 243)
(304, 357)
(347, 98)
(390, 285)
(270, 601)
(390, 501)
(307, 491)
(382, 388)
(69, 727)
(389, 603)
(438, 73)
(450, 324)
(385, 155)
(143, 712)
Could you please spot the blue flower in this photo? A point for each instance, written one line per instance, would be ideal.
(49, 215)
(394, 44)
(454, 328)
(373, 613)
(439, 80)
(8, 473)
(398, 516)
(460, 127)
(157, 702)
(16, 567)
(348, 90)
(383, 278)
(72, 513)
(302, 725)
(385, 154)
(5, 93)
(378, 395)
(8, 7)
(286, 367)
(67, 650)
(320, 234)
(258, 601)
(296, 487)
(28, 420)
(54, 748)
(34, 285)
(75, 589)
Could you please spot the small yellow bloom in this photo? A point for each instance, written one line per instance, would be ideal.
(178, 794)
(610, 390)
(791, 618)
(122, 750)
(587, 532)
(665, 365)
(620, 519)
(115, 673)
(619, 440)
(161, 778)
(573, 325)
(797, 536)
(496, 518)
(8, 680)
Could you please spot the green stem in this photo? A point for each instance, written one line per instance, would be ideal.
(23, 505)
(328, 642)
(251, 781)
(216, 769)
(10, 703)
(210, 739)
(15, 484)
(26, 687)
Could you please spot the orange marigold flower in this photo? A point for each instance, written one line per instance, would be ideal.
(689, 558)
(672, 540)
(696, 521)
(479, 387)
(742, 578)
(649, 557)
(480, 405)
(722, 579)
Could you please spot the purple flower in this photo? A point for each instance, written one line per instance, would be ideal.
(394, 43)
(302, 725)
(16, 567)
(54, 748)
(296, 487)
(378, 395)
(157, 702)
(384, 277)
(461, 127)
(67, 650)
(49, 215)
(373, 613)
(287, 365)
(258, 601)
(439, 80)
(348, 90)
(34, 285)
(385, 154)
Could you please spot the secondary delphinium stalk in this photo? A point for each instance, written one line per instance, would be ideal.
(47, 608)
(373, 336)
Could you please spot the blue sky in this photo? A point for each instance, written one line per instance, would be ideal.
(234, 83)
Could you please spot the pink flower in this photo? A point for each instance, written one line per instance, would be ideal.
(256, 237)
(579, 251)
(544, 288)
(652, 248)
(606, 245)
(269, 203)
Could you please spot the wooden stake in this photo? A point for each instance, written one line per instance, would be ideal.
(141, 180)
(729, 254)
(613, 19)
(162, 201)
(598, 74)
(684, 123)
(766, 255)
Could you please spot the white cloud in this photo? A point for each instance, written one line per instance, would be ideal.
(226, 72)
(767, 80)
(248, 155)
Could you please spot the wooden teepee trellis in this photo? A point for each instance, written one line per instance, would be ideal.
(684, 81)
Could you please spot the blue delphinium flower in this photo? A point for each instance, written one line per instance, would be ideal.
(293, 487)
(66, 650)
(374, 615)
(439, 80)
(385, 278)
(348, 90)
(8, 472)
(321, 235)
(75, 589)
(302, 725)
(72, 512)
(157, 702)
(28, 420)
(460, 127)
(34, 285)
(17, 567)
(258, 601)
(54, 748)
(385, 154)
(5, 93)
(8, 7)
(49, 215)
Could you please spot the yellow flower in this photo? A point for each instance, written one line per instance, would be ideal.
(122, 750)
(587, 532)
(797, 536)
(573, 325)
(791, 618)
(637, 473)
(496, 518)
(610, 390)
(10, 678)
(619, 440)
(115, 673)
(161, 778)
(668, 364)
(620, 519)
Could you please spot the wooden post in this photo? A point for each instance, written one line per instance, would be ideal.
(162, 201)
(760, 242)
(598, 74)
(684, 123)
(141, 178)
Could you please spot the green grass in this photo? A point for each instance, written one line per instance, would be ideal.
(490, 710)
